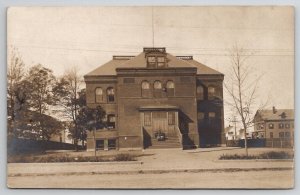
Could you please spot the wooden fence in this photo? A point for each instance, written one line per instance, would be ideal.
(271, 143)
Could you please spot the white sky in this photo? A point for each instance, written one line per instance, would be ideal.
(61, 37)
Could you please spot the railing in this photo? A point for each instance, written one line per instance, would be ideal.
(179, 135)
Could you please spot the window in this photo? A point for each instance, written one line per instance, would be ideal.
(171, 118)
(110, 94)
(111, 121)
(145, 89)
(200, 117)
(157, 85)
(200, 92)
(151, 61)
(287, 134)
(170, 88)
(271, 126)
(261, 126)
(147, 118)
(281, 134)
(211, 93)
(100, 144)
(211, 117)
(271, 135)
(111, 144)
(287, 125)
(99, 95)
(281, 125)
(160, 62)
(156, 61)
(157, 89)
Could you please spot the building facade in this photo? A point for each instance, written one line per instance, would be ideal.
(274, 124)
(156, 93)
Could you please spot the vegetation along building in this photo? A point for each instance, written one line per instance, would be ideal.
(156, 95)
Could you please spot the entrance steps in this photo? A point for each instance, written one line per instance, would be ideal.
(169, 142)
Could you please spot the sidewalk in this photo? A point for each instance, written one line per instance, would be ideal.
(157, 161)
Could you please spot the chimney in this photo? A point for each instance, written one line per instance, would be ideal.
(274, 110)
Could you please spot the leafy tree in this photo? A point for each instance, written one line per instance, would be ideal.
(88, 118)
(39, 85)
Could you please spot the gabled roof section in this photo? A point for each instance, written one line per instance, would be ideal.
(279, 114)
(140, 61)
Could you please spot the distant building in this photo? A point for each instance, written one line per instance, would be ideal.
(233, 133)
(274, 123)
(156, 92)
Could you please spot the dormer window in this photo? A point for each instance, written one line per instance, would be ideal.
(160, 62)
(151, 61)
(156, 61)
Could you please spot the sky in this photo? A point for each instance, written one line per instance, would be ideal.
(87, 37)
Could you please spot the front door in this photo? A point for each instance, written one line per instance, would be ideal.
(160, 122)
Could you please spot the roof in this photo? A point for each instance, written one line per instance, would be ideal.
(139, 61)
(280, 114)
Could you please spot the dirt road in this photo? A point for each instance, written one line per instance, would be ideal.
(259, 179)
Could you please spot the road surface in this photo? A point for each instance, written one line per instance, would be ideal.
(241, 179)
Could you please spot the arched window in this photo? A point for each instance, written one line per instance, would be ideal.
(211, 92)
(110, 94)
(145, 89)
(170, 88)
(99, 95)
(157, 89)
(157, 85)
(200, 92)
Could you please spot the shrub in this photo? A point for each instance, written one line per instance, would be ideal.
(276, 155)
(265, 155)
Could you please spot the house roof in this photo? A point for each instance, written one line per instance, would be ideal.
(140, 61)
(280, 114)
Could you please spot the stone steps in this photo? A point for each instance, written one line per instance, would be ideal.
(171, 142)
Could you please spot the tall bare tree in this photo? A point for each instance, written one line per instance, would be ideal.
(15, 76)
(242, 85)
(67, 96)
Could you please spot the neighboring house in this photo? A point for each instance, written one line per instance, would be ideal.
(230, 133)
(233, 133)
(275, 123)
(152, 93)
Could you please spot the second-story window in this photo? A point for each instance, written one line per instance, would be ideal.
(145, 89)
(281, 126)
(99, 95)
(170, 88)
(111, 121)
(157, 89)
(211, 93)
(271, 126)
(110, 94)
(200, 92)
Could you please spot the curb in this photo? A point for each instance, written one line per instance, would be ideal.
(153, 171)
(81, 163)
